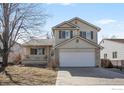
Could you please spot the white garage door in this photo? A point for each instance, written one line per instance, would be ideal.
(77, 59)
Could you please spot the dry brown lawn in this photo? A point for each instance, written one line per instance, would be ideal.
(17, 75)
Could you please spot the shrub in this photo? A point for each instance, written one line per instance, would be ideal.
(52, 64)
(106, 63)
(17, 59)
(45, 57)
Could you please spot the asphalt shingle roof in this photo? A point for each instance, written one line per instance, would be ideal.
(39, 42)
(117, 40)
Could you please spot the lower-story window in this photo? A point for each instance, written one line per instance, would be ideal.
(114, 54)
(37, 51)
(33, 51)
(105, 56)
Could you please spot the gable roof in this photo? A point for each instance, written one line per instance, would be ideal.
(77, 18)
(77, 36)
(39, 42)
(65, 22)
(18, 44)
(116, 40)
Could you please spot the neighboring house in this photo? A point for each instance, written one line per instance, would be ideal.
(14, 54)
(113, 49)
(74, 44)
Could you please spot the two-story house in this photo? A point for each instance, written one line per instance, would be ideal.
(74, 44)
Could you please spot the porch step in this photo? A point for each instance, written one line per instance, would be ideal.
(34, 62)
(35, 57)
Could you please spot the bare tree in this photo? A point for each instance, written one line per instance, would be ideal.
(16, 20)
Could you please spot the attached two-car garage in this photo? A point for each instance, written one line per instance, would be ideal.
(77, 58)
(78, 52)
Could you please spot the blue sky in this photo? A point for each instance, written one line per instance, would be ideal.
(109, 17)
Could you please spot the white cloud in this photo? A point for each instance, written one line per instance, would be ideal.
(66, 4)
(105, 21)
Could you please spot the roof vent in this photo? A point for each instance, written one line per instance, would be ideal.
(75, 21)
(77, 40)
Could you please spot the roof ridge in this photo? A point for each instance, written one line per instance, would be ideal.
(116, 40)
(112, 39)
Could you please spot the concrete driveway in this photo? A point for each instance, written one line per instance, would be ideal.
(88, 76)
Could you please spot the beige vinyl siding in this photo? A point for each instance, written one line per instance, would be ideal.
(74, 44)
(65, 25)
(87, 28)
(83, 27)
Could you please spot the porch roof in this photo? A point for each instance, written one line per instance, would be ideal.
(39, 42)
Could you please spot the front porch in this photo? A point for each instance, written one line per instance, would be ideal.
(36, 55)
(35, 59)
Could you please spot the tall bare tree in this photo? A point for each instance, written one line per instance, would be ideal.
(15, 21)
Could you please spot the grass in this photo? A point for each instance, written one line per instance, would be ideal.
(17, 75)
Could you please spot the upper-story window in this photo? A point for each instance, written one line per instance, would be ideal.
(65, 34)
(88, 35)
(85, 34)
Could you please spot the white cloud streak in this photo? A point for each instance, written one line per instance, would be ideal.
(105, 21)
(65, 4)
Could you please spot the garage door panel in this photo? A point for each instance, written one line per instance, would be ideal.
(77, 50)
(77, 59)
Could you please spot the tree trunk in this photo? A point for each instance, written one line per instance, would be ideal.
(5, 34)
(5, 58)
